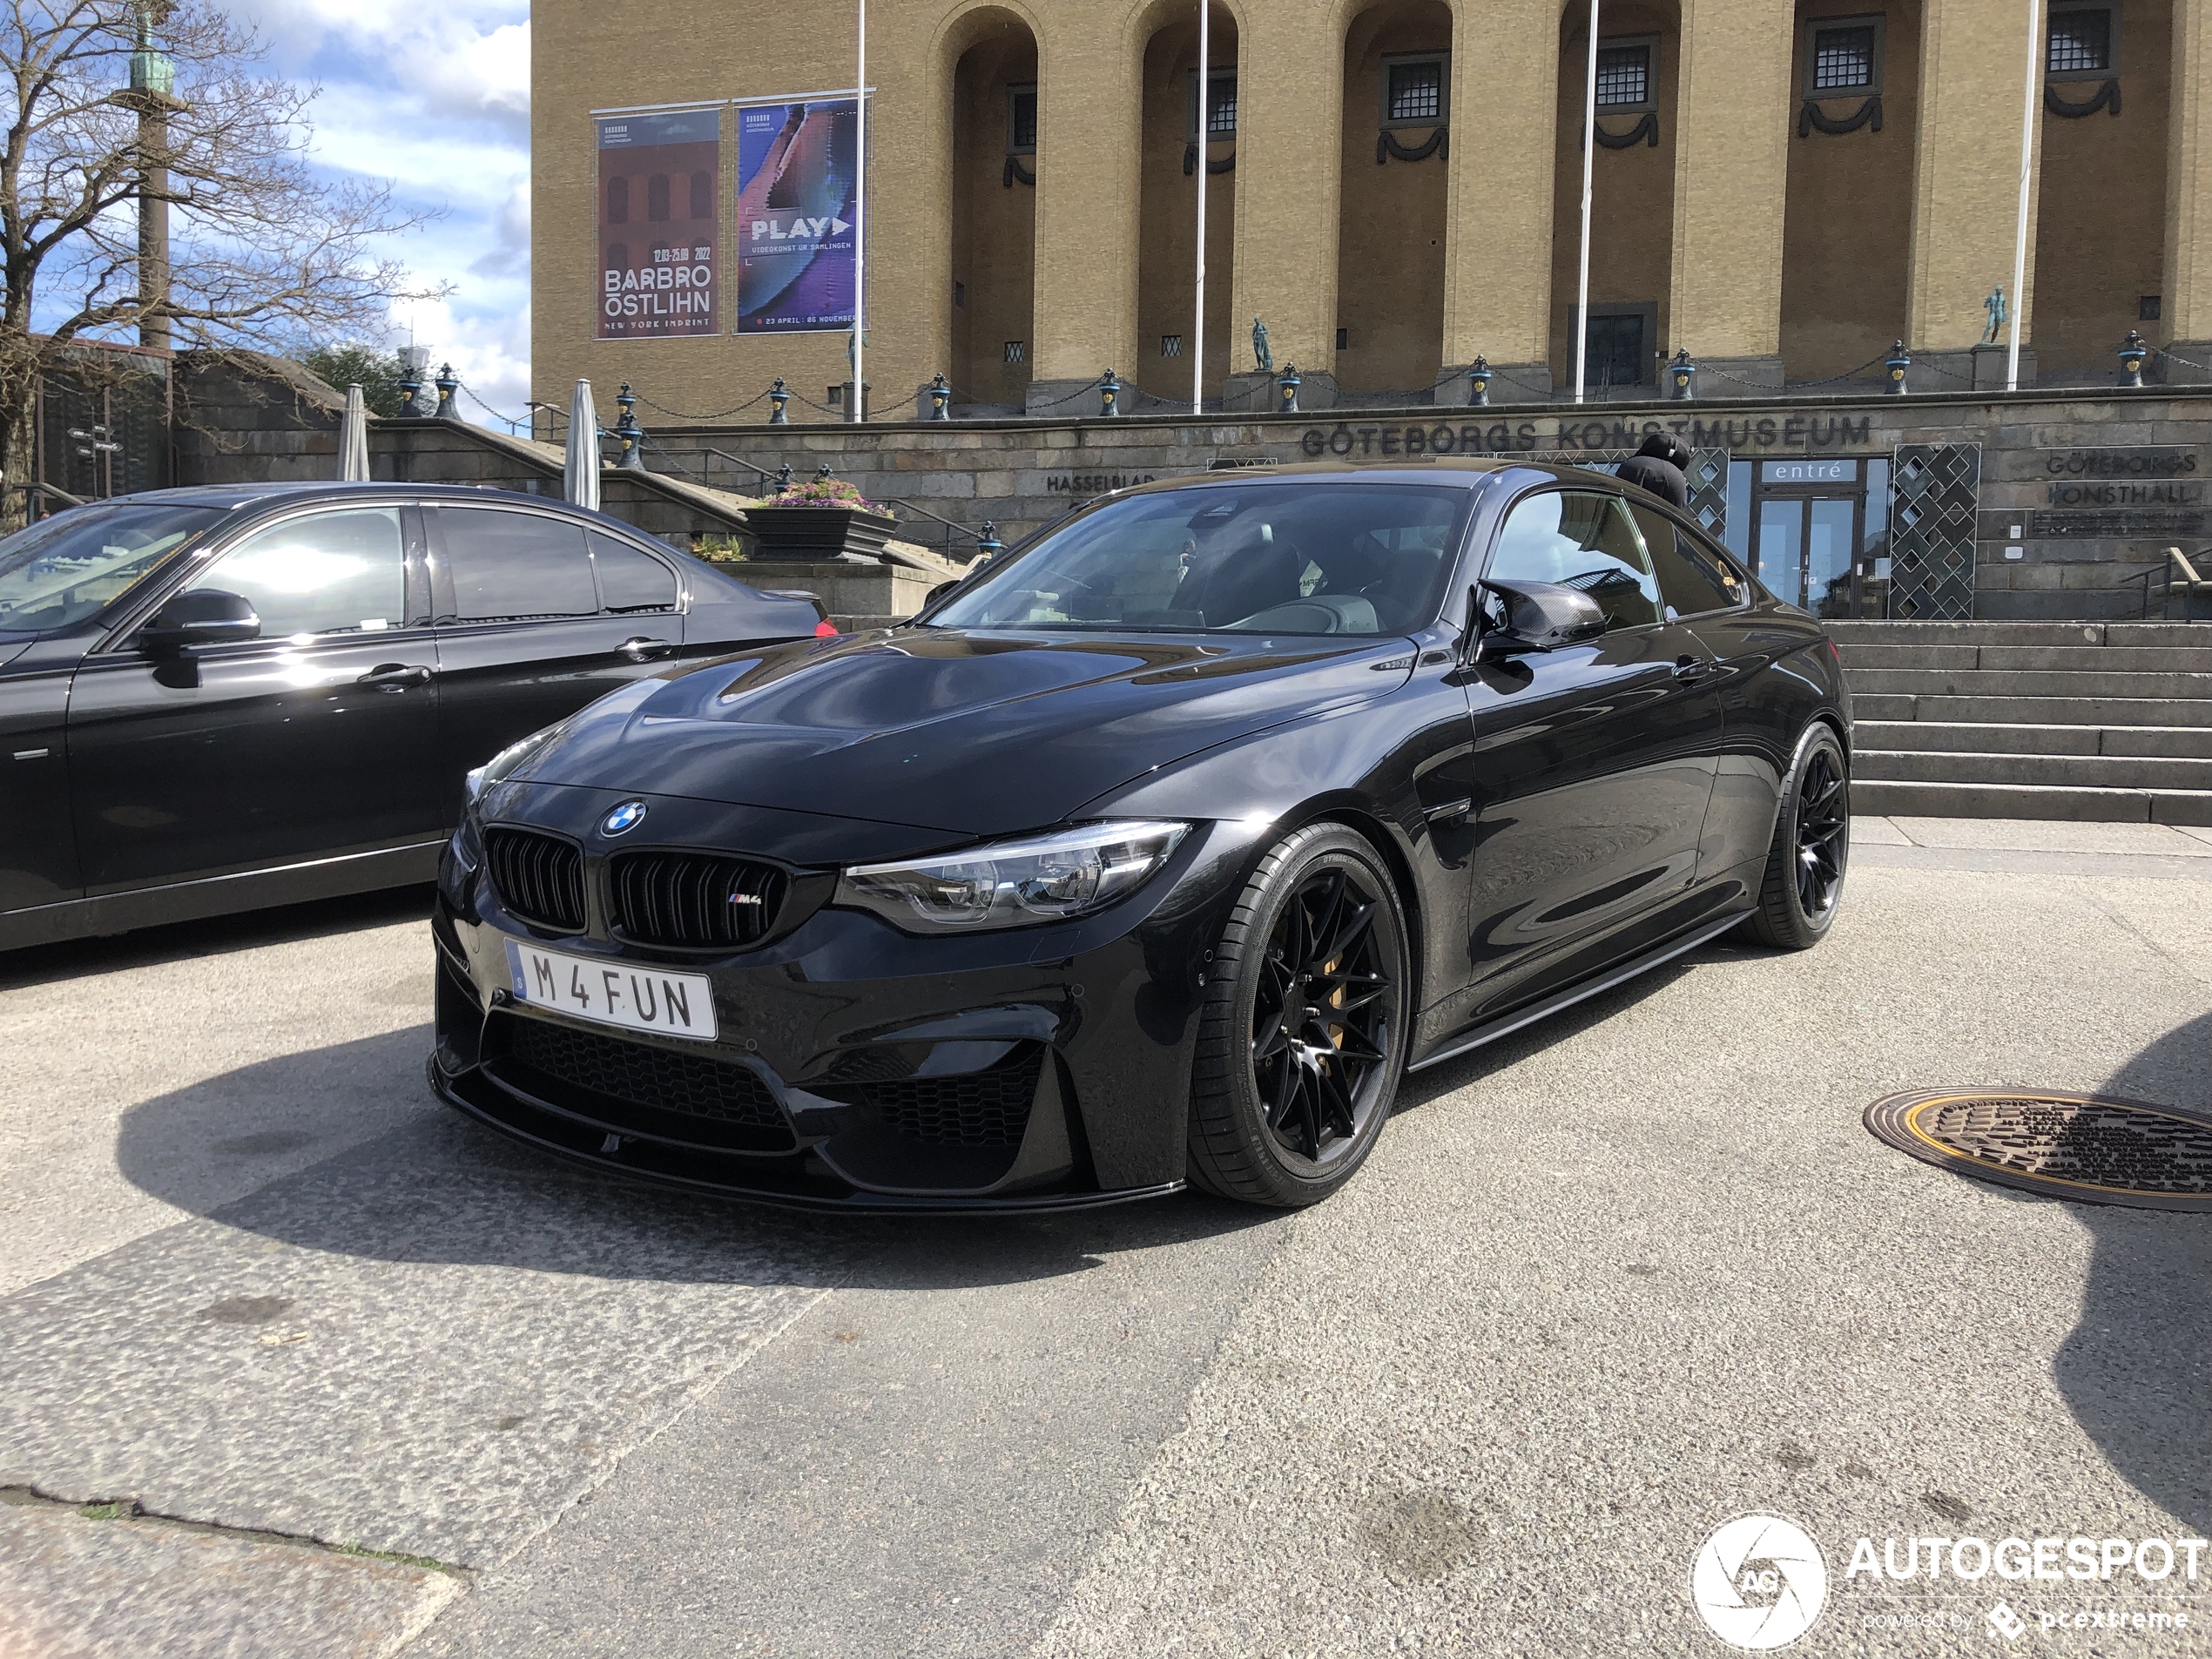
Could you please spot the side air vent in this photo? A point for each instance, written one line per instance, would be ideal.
(539, 877)
(696, 900)
(989, 1108)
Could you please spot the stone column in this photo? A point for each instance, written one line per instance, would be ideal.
(2185, 324)
(1965, 193)
(1290, 119)
(1091, 105)
(1498, 216)
(1732, 109)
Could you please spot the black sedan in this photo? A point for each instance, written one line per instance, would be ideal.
(212, 700)
(1156, 852)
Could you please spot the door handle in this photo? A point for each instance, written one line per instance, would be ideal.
(640, 649)
(395, 677)
(1690, 670)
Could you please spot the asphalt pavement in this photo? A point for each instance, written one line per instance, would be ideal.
(292, 1362)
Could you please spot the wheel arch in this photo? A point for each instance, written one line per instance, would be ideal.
(1362, 821)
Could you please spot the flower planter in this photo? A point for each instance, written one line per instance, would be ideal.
(819, 532)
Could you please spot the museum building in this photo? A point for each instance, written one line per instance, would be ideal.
(1784, 193)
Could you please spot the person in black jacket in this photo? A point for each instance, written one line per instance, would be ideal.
(1658, 466)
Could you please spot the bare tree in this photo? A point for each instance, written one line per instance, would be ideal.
(126, 115)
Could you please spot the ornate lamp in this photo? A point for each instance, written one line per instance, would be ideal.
(628, 433)
(940, 399)
(1479, 383)
(1681, 378)
(2133, 351)
(1109, 395)
(1286, 385)
(1900, 361)
(447, 383)
(778, 401)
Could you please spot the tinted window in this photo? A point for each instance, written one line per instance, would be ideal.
(630, 579)
(327, 573)
(1690, 580)
(508, 567)
(1275, 558)
(66, 568)
(1581, 540)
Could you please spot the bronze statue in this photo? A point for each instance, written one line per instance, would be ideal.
(1261, 354)
(1993, 308)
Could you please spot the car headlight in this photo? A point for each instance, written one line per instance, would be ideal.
(1013, 884)
(509, 760)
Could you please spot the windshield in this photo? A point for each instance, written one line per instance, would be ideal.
(1304, 557)
(71, 566)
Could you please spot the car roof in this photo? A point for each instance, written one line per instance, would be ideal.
(237, 495)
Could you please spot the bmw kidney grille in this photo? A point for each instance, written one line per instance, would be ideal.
(539, 877)
(694, 900)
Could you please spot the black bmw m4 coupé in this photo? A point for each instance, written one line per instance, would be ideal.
(1156, 851)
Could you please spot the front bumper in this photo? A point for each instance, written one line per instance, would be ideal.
(856, 1068)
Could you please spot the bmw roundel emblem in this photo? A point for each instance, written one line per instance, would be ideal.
(624, 819)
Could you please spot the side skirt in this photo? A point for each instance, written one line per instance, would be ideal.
(218, 895)
(1506, 1024)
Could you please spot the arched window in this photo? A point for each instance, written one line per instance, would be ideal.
(702, 194)
(656, 198)
(618, 199)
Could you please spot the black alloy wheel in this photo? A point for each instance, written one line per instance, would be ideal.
(1303, 1036)
(1804, 883)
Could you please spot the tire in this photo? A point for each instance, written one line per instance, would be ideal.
(1804, 883)
(1280, 1114)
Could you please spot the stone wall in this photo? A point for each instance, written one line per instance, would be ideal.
(2090, 487)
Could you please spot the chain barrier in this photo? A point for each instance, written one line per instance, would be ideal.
(513, 425)
(2161, 351)
(701, 420)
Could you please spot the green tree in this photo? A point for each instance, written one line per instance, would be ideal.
(374, 369)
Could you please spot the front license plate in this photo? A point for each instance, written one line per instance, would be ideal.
(637, 999)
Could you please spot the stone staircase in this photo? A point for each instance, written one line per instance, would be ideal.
(2110, 722)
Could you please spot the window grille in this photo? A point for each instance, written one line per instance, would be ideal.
(1842, 59)
(1170, 345)
(2081, 43)
(1416, 91)
(1017, 351)
(1221, 106)
(1021, 120)
(1623, 76)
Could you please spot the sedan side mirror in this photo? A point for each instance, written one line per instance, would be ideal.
(1538, 616)
(939, 592)
(198, 616)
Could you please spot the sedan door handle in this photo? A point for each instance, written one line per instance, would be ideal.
(395, 677)
(640, 649)
(1689, 669)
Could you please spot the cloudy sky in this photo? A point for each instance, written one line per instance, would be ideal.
(434, 98)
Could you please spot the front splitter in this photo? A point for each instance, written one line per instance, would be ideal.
(470, 1093)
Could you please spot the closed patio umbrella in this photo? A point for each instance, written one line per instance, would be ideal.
(353, 440)
(580, 477)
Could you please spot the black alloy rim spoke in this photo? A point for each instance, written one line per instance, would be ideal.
(1322, 1019)
(1823, 823)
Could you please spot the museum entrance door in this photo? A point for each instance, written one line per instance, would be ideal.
(1811, 543)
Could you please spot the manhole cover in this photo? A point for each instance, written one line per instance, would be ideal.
(2091, 1148)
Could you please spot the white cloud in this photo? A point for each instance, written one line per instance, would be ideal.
(437, 102)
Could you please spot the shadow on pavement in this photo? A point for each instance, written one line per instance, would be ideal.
(439, 1188)
(46, 964)
(2135, 1372)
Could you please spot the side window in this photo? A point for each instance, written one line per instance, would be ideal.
(514, 566)
(1579, 540)
(325, 573)
(1690, 582)
(631, 579)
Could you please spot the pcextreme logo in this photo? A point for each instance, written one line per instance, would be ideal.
(1759, 1581)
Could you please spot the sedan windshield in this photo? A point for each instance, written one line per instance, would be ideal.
(1283, 558)
(71, 566)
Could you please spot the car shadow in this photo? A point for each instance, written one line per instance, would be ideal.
(435, 1187)
(2133, 1372)
(213, 935)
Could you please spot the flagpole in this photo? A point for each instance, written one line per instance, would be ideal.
(1198, 327)
(1589, 157)
(2019, 227)
(860, 229)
